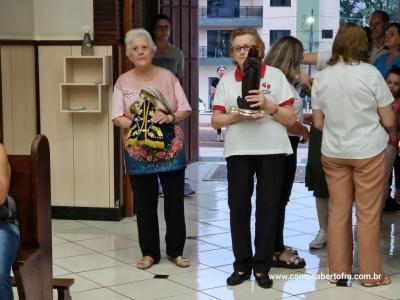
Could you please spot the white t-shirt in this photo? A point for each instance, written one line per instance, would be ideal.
(255, 137)
(349, 96)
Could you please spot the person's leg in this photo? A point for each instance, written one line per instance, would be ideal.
(321, 238)
(145, 191)
(390, 157)
(9, 245)
(396, 167)
(172, 183)
(288, 179)
(269, 170)
(284, 256)
(322, 212)
(369, 177)
(240, 189)
(219, 135)
(339, 176)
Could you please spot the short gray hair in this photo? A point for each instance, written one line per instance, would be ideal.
(133, 34)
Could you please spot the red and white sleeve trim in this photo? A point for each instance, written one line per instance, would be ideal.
(289, 101)
(219, 107)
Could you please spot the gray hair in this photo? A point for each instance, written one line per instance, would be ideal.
(286, 54)
(133, 34)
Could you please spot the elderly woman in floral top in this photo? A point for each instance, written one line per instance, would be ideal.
(148, 103)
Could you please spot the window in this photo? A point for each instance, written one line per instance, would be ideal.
(218, 43)
(277, 34)
(223, 8)
(327, 34)
(280, 3)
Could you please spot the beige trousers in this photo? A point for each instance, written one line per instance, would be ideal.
(361, 180)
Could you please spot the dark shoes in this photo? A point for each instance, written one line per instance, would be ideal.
(237, 278)
(391, 206)
(264, 280)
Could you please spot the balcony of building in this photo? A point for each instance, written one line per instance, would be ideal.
(214, 56)
(251, 16)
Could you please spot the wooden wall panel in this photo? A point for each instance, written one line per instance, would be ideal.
(91, 152)
(57, 126)
(81, 143)
(184, 17)
(108, 21)
(19, 97)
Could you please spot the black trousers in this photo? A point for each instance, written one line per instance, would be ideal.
(269, 172)
(288, 179)
(145, 191)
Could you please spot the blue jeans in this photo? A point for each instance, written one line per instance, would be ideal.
(9, 246)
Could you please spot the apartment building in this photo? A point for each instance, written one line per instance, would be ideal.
(314, 22)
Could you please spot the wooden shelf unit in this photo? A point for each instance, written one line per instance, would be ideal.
(85, 81)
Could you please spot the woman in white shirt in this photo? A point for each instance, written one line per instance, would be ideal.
(253, 145)
(352, 105)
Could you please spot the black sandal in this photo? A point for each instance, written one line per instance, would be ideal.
(294, 262)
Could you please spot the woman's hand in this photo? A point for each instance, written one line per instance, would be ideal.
(306, 136)
(257, 99)
(162, 118)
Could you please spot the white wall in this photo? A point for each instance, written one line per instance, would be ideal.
(16, 20)
(329, 14)
(45, 19)
(278, 18)
(62, 19)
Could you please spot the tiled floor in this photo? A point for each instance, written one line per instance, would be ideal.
(101, 256)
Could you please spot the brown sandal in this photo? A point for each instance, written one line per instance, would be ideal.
(145, 262)
(385, 281)
(180, 261)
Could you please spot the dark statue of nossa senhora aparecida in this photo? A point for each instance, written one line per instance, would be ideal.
(250, 81)
(251, 78)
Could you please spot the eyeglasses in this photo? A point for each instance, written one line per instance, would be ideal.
(244, 47)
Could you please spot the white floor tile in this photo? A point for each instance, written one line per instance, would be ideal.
(99, 294)
(116, 275)
(86, 262)
(151, 289)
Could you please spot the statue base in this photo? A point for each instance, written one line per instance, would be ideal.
(248, 112)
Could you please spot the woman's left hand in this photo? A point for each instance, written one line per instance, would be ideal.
(162, 118)
(258, 99)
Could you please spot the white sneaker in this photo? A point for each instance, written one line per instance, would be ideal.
(319, 241)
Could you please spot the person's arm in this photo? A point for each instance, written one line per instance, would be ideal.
(122, 122)
(212, 90)
(300, 129)
(310, 58)
(220, 119)
(181, 65)
(318, 119)
(172, 118)
(5, 174)
(282, 114)
(387, 116)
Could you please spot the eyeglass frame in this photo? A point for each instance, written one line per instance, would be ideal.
(237, 49)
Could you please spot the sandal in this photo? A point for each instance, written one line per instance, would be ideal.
(294, 262)
(145, 262)
(385, 281)
(291, 250)
(180, 261)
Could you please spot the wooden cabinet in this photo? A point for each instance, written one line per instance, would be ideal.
(86, 79)
(82, 144)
